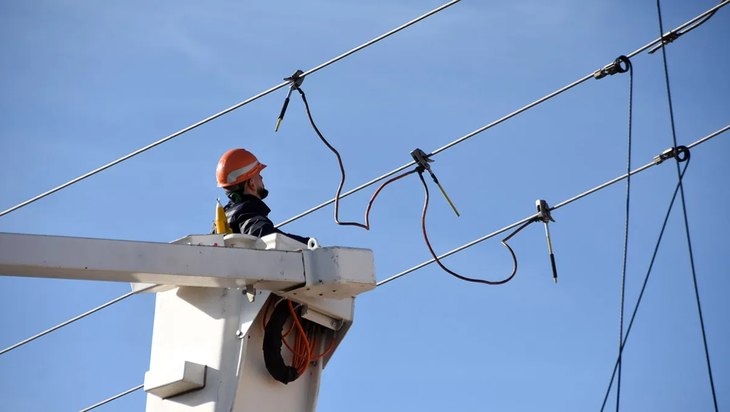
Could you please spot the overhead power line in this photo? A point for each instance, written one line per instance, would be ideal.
(584, 194)
(72, 320)
(559, 205)
(113, 398)
(466, 246)
(496, 122)
(230, 109)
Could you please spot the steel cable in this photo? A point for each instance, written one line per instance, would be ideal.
(230, 109)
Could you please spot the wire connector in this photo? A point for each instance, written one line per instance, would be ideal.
(666, 39)
(422, 165)
(543, 212)
(422, 162)
(544, 216)
(296, 82)
(613, 68)
(681, 153)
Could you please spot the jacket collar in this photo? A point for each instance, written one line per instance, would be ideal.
(252, 204)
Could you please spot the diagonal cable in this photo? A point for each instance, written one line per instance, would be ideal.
(113, 398)
(684, 212)
(626, 235)
(643, 289)
(72, 320)
(230, 109)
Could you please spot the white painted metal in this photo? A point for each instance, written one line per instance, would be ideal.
(337, 273)
(258, 391)
(280, 242)
(154, 263)
(207, 344)
(230, 240)
(185, 377)
(198, 325)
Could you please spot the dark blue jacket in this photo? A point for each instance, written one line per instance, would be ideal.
(250, 217)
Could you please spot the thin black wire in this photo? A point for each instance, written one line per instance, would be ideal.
(626, 235)
(643, 288)
(684, 211)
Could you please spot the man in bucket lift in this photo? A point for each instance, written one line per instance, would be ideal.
(239, 174)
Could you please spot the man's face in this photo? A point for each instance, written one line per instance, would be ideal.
(258, 187)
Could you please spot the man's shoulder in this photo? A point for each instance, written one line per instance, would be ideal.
(247, 207)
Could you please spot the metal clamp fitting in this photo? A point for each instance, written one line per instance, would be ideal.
(666, 39)
(681, 153)
(544, 216)
(543, 212)
(296, 79)
(613, 68)
(296, 82)
(422, 160)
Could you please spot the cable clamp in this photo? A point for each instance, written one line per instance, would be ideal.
(422, 165)
(543, 212)
(666, 39)
(681, 153)
(613, 68)
(544, 216)
(296, 80)
(422, 161)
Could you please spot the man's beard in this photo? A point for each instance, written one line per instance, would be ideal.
(262, 193)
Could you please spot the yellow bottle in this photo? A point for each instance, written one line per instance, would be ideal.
(221, 221)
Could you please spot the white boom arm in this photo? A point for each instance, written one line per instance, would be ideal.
(207, 340)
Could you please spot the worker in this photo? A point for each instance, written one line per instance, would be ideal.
(239, 174)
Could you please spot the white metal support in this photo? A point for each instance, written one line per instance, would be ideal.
(146, 262)
(207, 343)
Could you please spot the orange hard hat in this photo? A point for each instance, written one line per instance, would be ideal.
(237, 166)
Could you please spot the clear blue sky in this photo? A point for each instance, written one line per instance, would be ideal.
(85, 82)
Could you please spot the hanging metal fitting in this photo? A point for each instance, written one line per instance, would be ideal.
(681, 153)
(666, 39)
(296, 82)
(543, 212)
(613, 68)
(544, 216)
(296, 79)
(422, 161)
(422, 164)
